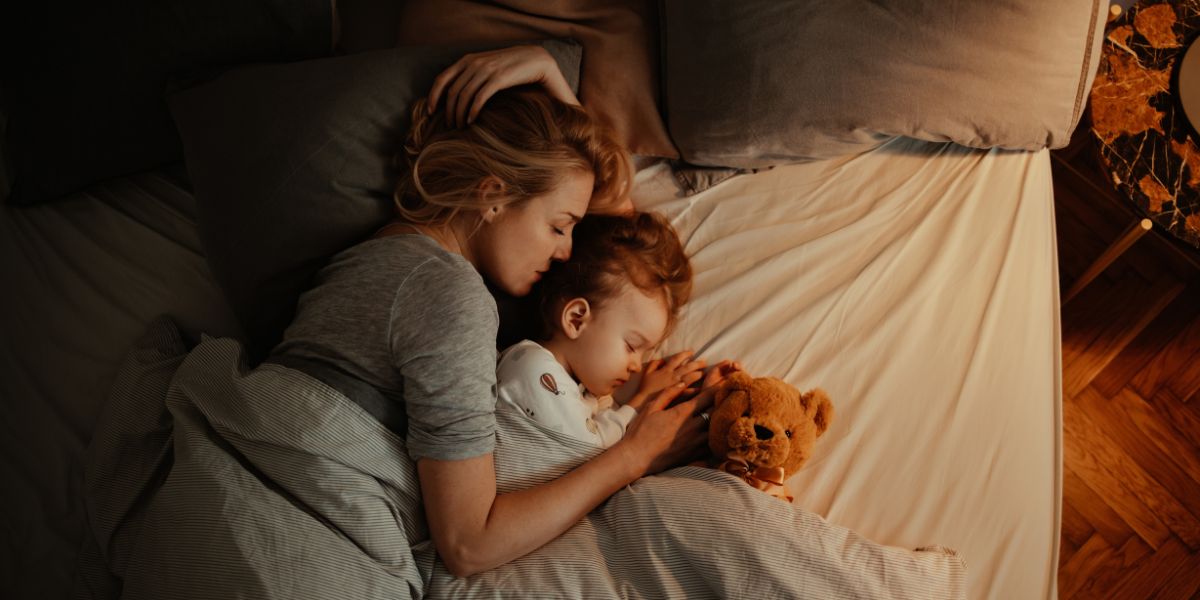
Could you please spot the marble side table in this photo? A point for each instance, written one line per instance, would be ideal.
(1147, 147)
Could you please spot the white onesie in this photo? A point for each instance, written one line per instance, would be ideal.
(529, 379)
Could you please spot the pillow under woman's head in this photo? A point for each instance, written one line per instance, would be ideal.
(292, 163)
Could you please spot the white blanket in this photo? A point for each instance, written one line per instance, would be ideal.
(211, 480)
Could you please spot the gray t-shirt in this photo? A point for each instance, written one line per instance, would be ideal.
(416, 322)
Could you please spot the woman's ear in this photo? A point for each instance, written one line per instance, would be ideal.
(576, 315)
(491, 191)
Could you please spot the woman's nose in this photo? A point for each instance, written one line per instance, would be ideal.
(563, 251)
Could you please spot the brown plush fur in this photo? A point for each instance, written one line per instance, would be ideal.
(746, 410)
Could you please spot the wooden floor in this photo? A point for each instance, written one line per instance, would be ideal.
(1131, 403)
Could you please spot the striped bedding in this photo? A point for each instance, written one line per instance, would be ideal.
(208, 479)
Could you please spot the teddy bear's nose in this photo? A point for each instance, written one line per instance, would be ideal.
(763, 433)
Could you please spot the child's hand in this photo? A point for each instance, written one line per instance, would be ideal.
(717, 373)
(660, 374)
(713, 377)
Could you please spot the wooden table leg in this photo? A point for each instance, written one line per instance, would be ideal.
(1110, 254)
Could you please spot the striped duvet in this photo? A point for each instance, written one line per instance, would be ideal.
(210, 480)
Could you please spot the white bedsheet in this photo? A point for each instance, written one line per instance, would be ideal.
(917, 284)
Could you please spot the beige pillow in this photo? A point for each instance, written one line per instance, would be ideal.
(761, 82)
(619, 76)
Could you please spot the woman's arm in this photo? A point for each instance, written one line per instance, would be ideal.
(474, 529)
(468, 83)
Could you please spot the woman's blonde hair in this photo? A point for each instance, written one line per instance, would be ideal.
(524, 138)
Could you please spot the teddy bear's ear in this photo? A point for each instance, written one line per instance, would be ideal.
(823, 415)
(738, 382)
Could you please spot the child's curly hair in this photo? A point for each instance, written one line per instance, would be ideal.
(611, 251)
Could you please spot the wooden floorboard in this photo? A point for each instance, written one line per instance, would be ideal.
(1094, 336)
(1114, 565)
(1115, 477)
(1172, 361)
(1168, 463)
(1178, 415)
(1148, 578)
(1147, 344)
(1131, 404)
(1114, 529)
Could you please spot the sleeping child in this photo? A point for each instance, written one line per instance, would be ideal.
(602, 312)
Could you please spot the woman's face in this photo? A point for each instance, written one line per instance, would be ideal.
(516, 247)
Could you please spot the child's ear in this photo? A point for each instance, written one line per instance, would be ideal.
(576, 315)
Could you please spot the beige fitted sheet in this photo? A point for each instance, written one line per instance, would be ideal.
(917, 284)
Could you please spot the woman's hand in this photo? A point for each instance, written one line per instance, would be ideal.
(468, 83)
(476, 529)
(660, 437)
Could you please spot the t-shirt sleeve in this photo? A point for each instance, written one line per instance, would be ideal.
(443, 341)
(611, 424)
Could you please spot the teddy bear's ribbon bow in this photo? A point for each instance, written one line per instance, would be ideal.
(767, 479)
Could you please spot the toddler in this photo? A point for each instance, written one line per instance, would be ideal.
(601, 313)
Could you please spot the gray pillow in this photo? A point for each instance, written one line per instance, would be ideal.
(762, 82)
(292, 163)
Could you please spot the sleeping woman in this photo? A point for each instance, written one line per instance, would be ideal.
(485, 196)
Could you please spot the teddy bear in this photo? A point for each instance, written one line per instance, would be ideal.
(763, 429)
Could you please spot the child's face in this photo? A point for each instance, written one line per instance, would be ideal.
(617, 339)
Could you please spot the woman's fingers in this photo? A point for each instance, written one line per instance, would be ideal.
(468, 97)
(665, 397)
(704, 400)
(467, 84)
(720, 371)
(695, 365)
(481, 98)
(442, 80)
(693, 377)
(674, 362)
(454, 94)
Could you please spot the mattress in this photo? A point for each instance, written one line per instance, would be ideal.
(916, 283)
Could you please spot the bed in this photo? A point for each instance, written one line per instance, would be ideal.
(914, 280)
(835, 273)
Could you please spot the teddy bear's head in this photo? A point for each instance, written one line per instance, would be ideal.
(767, 422)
